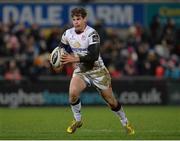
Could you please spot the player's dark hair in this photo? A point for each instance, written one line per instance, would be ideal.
(79, 12)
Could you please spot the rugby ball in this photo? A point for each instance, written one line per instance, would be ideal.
(55, 57)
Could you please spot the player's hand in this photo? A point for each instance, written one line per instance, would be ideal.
(68, 58)
(56, 70)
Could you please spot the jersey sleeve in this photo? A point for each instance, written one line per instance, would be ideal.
(64, 43)
(93, 38)
(64, 38)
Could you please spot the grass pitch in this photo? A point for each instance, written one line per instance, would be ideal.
(50, 123)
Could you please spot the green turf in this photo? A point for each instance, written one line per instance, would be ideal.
(151, 122)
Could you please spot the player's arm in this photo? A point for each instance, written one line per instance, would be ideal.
(93, 48)
(91, 56)
(66, 47)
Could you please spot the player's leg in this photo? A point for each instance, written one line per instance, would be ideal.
(77, 85)
(114, 104)
(117, 108)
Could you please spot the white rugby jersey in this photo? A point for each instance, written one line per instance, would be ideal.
(79, 45)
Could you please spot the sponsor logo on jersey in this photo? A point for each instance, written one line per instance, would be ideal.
(77, 45)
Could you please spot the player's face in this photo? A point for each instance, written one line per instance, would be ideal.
(79, 23)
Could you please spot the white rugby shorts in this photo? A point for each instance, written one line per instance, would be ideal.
(99, 78)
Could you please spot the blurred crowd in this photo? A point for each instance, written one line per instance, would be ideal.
(150, 51)
(135, 51)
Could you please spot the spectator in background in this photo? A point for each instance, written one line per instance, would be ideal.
(172, 69)
(13, 45)
(149, 64)
(101, 30)
(159, 72)
(169, 32)
(156, 30)
(35, 32)
(176, 49)
(30, 53)
(130, 68)
(12, 72)
(53, 39)
(142, 64)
